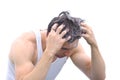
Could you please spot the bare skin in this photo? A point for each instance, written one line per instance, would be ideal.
(24, 54)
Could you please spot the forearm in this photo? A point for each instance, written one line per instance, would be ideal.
(40, 70)
(97, 64)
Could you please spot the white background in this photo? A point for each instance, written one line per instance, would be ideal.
(17, 16)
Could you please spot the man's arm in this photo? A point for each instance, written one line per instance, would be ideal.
(97, 65)
(22, 54)
(94, 68)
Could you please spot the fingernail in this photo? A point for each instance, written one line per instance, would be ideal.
(56, 24)
(63, 25)
(67, 30)
(69, 37)
(82, 23)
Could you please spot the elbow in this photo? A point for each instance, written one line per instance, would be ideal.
(102, 77)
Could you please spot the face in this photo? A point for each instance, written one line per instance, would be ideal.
(67, 47)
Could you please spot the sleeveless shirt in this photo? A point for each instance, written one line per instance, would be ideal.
(54, 69)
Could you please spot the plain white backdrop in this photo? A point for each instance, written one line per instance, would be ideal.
(18, 16)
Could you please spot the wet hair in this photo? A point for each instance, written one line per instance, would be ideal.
(71, 23)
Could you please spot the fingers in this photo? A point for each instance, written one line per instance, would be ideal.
(86, 28)
(68, 38)
(83, 24)
(86, 31)
(54, 27)
(59, 29)
(64, 32)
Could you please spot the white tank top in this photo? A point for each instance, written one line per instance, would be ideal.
(54, 69)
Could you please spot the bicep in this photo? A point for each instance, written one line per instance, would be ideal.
(21, 54)
(22, 69)
(82, 60)
(23, 65)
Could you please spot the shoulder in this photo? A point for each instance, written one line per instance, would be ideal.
(23, 47)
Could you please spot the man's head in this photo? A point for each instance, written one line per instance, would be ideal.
(71, 23)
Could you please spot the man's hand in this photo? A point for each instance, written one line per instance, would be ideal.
(88, 34)
(54, 40)
(96, 58)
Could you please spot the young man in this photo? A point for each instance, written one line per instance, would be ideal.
(40, 55)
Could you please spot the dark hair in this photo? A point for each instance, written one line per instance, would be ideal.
(71, 23)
